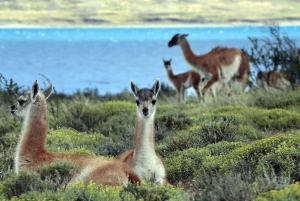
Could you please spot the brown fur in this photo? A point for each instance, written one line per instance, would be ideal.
(143, 159)
(179, 80)
(31, 151)
(210, 64)
(275, 79)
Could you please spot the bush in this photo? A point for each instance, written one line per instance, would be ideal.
(7, 154)
(173, 121)
(183, 164)
(71, 141)
(149, 192)
(291, 192)
(93, 191)
(22, 183)
(209, 185)
(89, 118)
(279, 151)
(179, 141)
(59, 173)
(229, 187)
(280, 99)
(276, 119)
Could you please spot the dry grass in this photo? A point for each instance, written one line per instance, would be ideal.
(146, 12)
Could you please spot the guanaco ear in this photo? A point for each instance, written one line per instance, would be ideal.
(34, 90)
(48, 90)
(184, 35)
(156, 87)
(134, 88)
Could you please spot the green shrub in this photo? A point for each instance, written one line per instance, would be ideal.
(117, 124)
(59, 173)
(173, 121)
(275, 119)
(218, 131)
(118, 143)
(229, 187)
(278, 100)
(92, 191)
(291, 192)
(183, 164)
(76, 191)
(71, 141)
(280, 152)
(22, 183)
(149, 192)
(87, 118)
(179, 141)
(7, 154)
(210, 185)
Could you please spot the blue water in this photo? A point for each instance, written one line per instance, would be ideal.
(108, 58)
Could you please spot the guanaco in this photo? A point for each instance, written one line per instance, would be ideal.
(143, 159)
(183, 81)
(275, 79)
(221, 64)
(31, 151)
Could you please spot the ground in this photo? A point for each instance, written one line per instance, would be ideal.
(146, 12)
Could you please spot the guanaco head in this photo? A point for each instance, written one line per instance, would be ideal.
(167, 64)
(21, 108)
(145, 99)
(176, 39)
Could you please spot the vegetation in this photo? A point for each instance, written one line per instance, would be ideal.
(162, 12)
(247, 150)
(241, 148)
(277, 52)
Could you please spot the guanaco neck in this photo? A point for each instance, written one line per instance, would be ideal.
(170, 73)
(34, 131)
(189, 55)
(144, 141)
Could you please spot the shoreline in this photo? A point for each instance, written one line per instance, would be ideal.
(156, 25)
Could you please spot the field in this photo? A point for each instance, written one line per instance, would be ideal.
(245, 147)
(146, 12)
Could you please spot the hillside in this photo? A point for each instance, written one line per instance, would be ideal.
(145, 12)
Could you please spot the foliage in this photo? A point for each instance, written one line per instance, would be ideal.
(30, 185)
(9, 90)
(281, 100)
(149, 191)
(99, 117)
(276, 52)
(218, 152)
(71, 141)
(183, 164)
(210, 186)
(278, 154)
(291, 192)
(24, 182)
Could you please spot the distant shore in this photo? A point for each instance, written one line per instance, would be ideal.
(280, 23)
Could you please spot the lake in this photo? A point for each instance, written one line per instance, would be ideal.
(108, 58)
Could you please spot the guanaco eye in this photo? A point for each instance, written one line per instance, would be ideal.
(153, 102)
(21, 102)
(137, 102)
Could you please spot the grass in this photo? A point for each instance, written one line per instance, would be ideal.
(163, 12)
(244, 146)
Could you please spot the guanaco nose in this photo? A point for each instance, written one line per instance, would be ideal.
(145, 110)
(12, 109)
